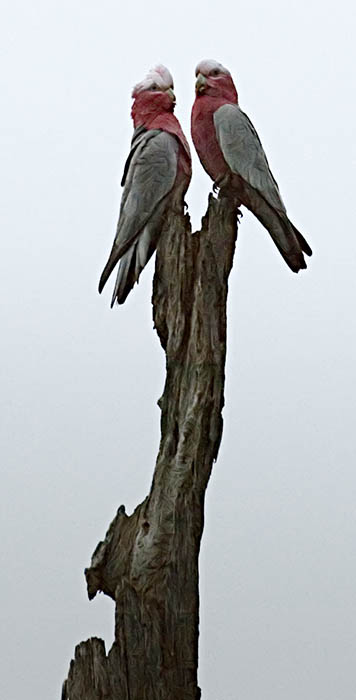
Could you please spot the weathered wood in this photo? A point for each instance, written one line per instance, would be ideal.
(148, 562)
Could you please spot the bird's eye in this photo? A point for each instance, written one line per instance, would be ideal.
(154, 87)
(215, 71)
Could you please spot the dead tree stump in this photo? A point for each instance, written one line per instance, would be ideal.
(148, 562)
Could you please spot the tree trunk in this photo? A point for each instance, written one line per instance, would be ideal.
(148, 562)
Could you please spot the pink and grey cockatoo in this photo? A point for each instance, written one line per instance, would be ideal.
(231, 153)
(156, 176)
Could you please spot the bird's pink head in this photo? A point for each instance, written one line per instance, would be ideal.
(153, 95)
(214, 80)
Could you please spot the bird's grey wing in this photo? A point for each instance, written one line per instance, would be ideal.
(243, 152)
(150, 177)
(137, 256)
(140, 134)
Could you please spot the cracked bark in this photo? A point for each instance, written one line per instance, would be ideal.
(148, 562)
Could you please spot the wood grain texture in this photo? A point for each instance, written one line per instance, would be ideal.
(148, 562)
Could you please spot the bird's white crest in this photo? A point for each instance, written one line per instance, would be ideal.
(159, 75)
(208, 64)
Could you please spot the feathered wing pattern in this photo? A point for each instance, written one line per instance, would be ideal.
(243, 152)
(149, 176)
(140, 134)
(137, 256)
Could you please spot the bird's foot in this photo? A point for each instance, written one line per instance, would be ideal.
(222, 183)
(178, 207)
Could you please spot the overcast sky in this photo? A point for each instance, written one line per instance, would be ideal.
(80, 424)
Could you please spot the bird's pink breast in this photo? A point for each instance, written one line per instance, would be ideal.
(204, 136)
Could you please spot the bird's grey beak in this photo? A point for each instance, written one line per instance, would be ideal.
(171, 94)
(200, 85)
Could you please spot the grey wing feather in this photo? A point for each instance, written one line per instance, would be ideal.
(150, 176)
(140, 134)
(243, 152)
(137, 256)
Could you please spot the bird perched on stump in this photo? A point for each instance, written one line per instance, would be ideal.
(156, 177)
(231, 152)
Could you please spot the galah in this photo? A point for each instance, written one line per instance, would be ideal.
(231, 152)
(156, 176)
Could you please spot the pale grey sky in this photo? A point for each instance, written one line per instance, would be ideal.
(80, 424)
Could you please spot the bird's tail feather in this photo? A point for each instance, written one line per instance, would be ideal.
(285, 236)
(293, 252)
(132, 264)
(106, 273)
(116, 253)
(126, 277)
(302, 242)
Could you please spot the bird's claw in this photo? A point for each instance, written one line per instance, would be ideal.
(178, 208)
(222, 182)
